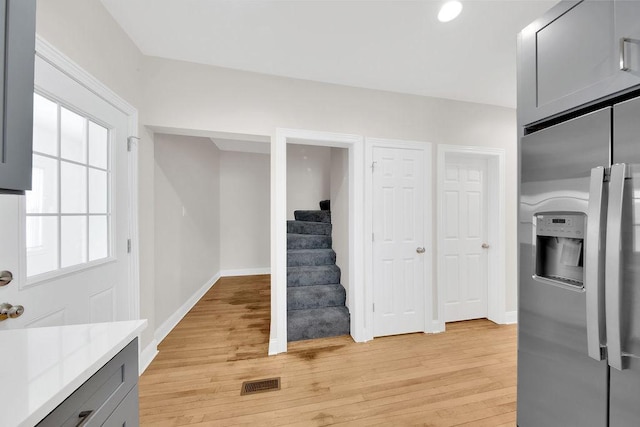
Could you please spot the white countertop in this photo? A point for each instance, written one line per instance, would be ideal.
(41, 367)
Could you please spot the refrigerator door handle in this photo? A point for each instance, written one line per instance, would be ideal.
(594, 264)
(613, 263)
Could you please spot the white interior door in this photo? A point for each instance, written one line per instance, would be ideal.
(66, 241)
(465, 237)
(398, 240)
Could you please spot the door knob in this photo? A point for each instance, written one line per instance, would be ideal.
(5, 277)
(485, 246)
(8, 311)
(420, 250)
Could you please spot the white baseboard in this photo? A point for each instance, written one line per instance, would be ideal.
(147, 355)
(511, 317)
(437, 327)
(246, 272)
(274, 347)
(163, 330)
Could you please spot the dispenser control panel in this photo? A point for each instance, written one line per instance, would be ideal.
(558, 225)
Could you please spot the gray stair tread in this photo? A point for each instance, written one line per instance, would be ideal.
(313, 275)
(317, 323)
(315, 296)
(308, 241)
(298, 222)
(301, 257)
(312, 268)
(310, 251)
(309, 227)
(313, 215)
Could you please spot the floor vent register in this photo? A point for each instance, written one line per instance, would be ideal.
(260, 386)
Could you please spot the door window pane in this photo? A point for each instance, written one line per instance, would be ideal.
(98, 145)
(42, 244)
(69, 208)
(73, 136)
(73, 180)
(98, 238)
(45, 125)
(43, 197)
(98, 196)
(74, 241)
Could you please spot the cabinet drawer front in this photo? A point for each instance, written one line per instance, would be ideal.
(101, 393)
(126, 414)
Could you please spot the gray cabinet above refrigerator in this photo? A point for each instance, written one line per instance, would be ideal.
(578, 53)
(17, 50)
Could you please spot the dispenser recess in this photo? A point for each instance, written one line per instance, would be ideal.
(559, 250)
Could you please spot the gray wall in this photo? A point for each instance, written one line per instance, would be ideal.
(308, 177)
(245, 214)
(187, 219)
(340, 212)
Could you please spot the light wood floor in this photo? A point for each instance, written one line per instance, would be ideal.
(464, 377)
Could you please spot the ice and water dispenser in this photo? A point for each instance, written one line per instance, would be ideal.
(560, 247)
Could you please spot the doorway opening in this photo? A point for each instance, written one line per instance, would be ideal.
(471, 234)
(317, 242)
(211, 215)
(342, 182)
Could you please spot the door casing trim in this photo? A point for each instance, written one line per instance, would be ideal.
(354, 145)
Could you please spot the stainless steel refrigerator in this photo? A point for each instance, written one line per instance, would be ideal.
(579, 284)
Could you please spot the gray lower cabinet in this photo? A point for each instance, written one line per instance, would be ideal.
(577, 53)
(17, 54)
(108, 398)
(126, 414)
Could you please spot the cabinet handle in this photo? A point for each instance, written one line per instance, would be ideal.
(84, 416)
(623, 65)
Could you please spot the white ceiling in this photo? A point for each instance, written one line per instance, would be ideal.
(392, 45)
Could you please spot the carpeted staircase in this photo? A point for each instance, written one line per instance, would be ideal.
(315, 297)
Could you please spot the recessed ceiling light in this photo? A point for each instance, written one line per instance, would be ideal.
(449, 11)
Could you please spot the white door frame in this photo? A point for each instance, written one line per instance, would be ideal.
(354, 145)
(496, 210)
(370, 143)
(56, 58)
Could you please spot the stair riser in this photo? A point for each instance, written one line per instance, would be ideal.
(302, 241)
(306, 297)
(310, 278)
(318, 323)
(313, 257)
(303, 227)
(313, 216)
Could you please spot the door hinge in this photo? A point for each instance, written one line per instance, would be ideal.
(374, 307)
(130, 141)
(128, 246)
(373, 237)
(373, 165)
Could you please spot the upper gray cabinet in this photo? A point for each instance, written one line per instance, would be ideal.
(17, 50)
(577, 53)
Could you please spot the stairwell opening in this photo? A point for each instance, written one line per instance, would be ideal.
(317, 242)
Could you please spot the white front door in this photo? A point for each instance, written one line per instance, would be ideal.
(66, 241)
(398, 240)
(465, 232)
